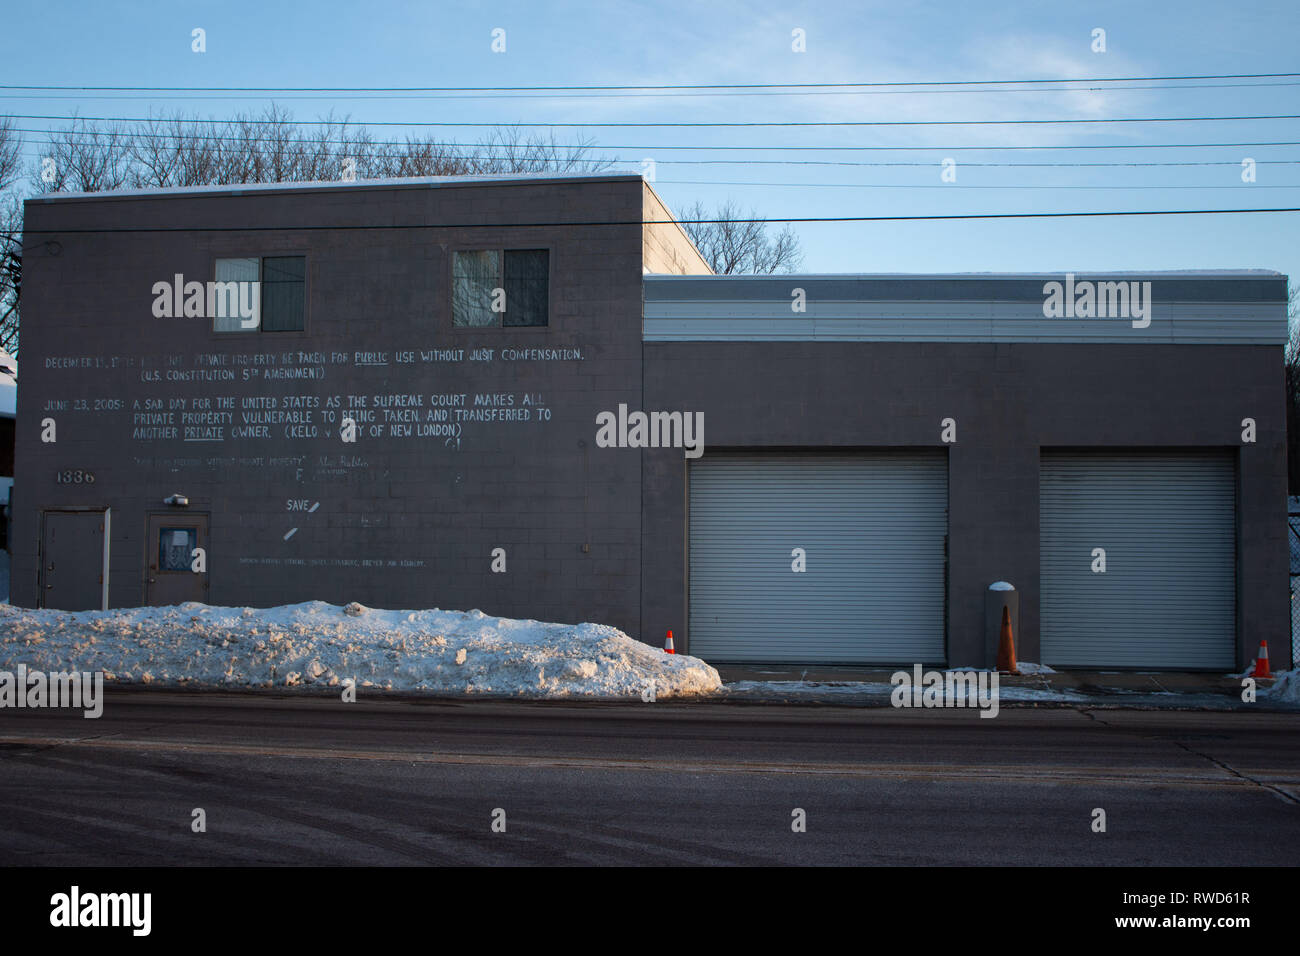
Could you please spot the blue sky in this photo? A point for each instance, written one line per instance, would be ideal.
(346, 44)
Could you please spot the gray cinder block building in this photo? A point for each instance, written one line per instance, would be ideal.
(390, 393)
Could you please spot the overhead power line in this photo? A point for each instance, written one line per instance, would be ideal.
(34, 149)
(658, 147)
(288, 227)
(959, 187)
(649, 86)
(651, 94)
(88, 139)
(681, 125)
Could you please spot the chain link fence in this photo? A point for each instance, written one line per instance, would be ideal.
(1293, 539)
(1295, 620)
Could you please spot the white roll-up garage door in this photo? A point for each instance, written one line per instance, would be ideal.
(1165, 521)
(872, 527)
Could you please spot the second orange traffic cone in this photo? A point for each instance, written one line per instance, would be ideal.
(1007, 646)
(668, 644)
(1261, 662)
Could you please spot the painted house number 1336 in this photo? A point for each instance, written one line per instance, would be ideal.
(75, 476)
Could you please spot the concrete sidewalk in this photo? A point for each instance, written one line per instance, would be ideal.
(855, 686)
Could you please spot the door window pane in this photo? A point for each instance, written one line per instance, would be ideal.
(175, 548)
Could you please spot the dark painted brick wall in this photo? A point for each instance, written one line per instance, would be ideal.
(1009, 400)
(533, 488)
(543, 491)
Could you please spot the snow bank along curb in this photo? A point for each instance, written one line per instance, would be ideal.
(879, 693)
(1286, 687)
(431, 651)
(1283, 693)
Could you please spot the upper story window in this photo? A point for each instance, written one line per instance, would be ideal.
(500, 287)
(279, 303)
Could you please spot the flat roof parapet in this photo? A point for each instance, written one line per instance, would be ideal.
(1243, 307)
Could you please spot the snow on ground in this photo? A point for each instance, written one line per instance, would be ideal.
(746, 688)
(1250, 672)
(1028, 667)
(872, 690)
(1286, 687)
(319, 644)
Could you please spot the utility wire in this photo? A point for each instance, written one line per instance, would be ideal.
(672, 86)
(165, 134)
(673, 94)
(288, 227)
(957, 187)
(633, 161)
(687, 125)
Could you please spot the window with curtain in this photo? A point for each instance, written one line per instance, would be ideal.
(521, 275)
(474, 277)
(281, 304)
(236, 270)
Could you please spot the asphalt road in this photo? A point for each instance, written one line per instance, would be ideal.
(314, 781)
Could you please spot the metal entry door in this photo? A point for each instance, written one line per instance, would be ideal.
(74, 560)
(170, 559)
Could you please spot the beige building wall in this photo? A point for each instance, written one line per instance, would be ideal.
(667, 249)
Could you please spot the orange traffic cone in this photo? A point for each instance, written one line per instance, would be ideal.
(1007, 646)
(668, 644)
(1261, 662)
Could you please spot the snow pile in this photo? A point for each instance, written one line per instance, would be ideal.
(8, 385)
(1286, 687)
(432, 651)
(1028, 667)
(1250, 672)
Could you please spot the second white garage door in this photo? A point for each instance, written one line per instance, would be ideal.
(1166, 524)
(873, 529)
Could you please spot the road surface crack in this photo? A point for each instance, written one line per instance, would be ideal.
(1238, 774)
(28, 750)
(1287, 797)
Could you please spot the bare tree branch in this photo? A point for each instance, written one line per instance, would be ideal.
(734, 243)
(11, 230)
(10, 153)
(85, 158)
(169, 151)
